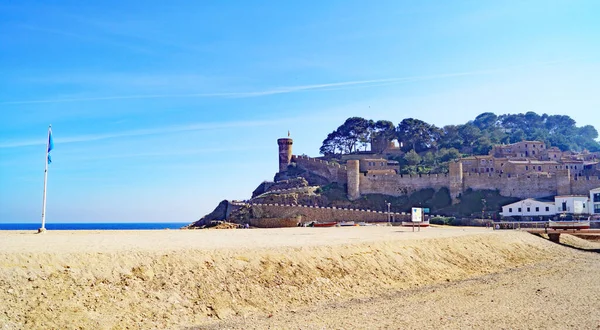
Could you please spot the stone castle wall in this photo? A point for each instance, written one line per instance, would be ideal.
(520, 186)
(331, 171)
(399, 185)
(316, 213)
(582, 185)
(531, 185)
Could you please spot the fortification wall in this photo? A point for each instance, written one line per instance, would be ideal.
(520, 186)
(332, 171)
(399, 185)
(316, 213)
(582, 185)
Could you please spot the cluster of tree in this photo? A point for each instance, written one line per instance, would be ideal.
(475, 137)
(354, 133)
(428, 148)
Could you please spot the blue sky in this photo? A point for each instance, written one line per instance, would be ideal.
(161, 109)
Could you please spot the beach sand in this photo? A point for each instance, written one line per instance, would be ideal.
(296, 278)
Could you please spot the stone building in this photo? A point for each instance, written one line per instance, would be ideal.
(513, 177)
(520, 149)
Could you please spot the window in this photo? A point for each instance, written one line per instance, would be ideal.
(596, 198)
(528, 209)
(519, 209)
(547, 209)
(596, 208)
(539, 168)
(510, 210)
(537, 209)
(564, 206)
(526, 168)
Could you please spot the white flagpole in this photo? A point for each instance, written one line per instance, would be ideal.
(45, 181)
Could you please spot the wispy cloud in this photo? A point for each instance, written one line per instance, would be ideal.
(171, 153)
(149, 131)
(293, 89)
(266, 92)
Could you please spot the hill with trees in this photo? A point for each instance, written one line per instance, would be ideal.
(428, 148)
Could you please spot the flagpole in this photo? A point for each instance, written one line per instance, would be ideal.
(45, 181)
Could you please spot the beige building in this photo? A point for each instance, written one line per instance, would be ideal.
(533, 149)
(379, 165)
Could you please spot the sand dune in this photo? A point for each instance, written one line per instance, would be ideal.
(237, 278)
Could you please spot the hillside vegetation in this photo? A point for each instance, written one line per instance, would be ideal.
(428, 148)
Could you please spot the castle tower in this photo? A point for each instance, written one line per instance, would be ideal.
(353, 179)
(285, 153)
(456, 180)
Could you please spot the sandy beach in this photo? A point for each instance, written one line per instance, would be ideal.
(296, 278)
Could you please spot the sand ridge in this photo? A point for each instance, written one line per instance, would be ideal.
(175, 279)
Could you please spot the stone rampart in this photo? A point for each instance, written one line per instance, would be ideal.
(520, 186)
(316, 213)
(399, 185)
(333, 172)
(274, 222)
(581, 185)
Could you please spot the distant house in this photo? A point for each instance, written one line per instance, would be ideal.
(529, 207)
(594, 205)
(571, 204)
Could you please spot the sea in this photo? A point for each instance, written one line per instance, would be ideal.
(96, 226)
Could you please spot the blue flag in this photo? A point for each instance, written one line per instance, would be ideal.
(50, 145)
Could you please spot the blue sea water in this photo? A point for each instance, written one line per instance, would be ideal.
(95, 226)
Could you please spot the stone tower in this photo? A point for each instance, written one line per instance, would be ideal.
(455, 175)
(353, 173)
(285, 153)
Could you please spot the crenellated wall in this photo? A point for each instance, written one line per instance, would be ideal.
(334, 172)
(323, 214)
(529, 185)
(521, 186)
(399, 185)
(533, 185)
(582, 185)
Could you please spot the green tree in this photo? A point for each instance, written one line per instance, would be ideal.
(450, 137)
(429, 158)
(486, 121)
(347, 137)
(412, 158)
(417, 135)
(469, 133)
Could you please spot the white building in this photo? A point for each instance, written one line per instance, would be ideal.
(594, 204)
(531, 207)
(572, 204)
(528, 208)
